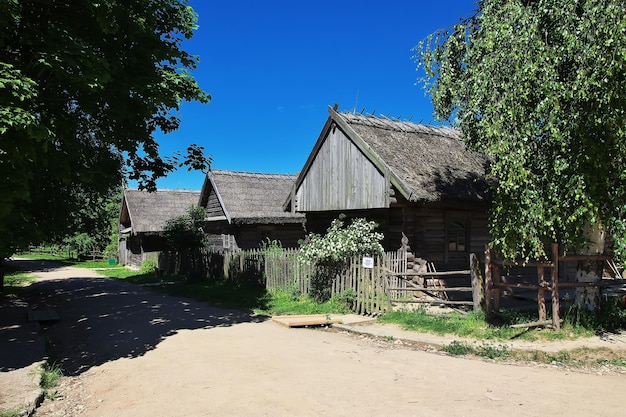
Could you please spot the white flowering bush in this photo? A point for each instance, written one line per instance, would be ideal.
(331, 253)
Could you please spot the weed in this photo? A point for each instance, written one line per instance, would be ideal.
(493, 351)
(614, 361)
(562, 356)
(458, 348)
(611, 316)
(6, 412)
(51, 372)
(388, 338)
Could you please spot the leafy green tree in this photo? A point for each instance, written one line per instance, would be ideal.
(185, 235)
(539, 86)
(97, 220)
(330, 254)
(84, 88)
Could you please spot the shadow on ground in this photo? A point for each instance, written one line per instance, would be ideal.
(104, 319)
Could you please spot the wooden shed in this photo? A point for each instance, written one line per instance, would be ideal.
(142, 220)
(245, 209)
(410, 178)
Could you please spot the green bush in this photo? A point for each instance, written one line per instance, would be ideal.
(148, 266)
(331, 253)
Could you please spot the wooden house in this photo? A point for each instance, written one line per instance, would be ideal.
(409, 178)
(142, 220)
(246, 209)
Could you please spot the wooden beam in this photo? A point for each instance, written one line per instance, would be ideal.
(439, 301)
(434, 289)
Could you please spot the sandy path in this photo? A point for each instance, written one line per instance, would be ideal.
(131, 352)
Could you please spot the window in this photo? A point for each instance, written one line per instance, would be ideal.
(456, 237)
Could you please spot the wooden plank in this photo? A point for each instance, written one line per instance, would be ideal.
(428, 274)
(435, 289)
(305, 320)
(532, 324)
(439, 301)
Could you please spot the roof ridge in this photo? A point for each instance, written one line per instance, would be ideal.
(398, 125)
(164, 189)
(261, 175)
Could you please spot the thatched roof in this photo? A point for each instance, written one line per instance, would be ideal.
(247, 198)
(146, 212)
(428, 163)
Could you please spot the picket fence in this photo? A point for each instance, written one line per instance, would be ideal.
(367, 288)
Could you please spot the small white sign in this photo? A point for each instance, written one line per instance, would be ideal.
(368, 262)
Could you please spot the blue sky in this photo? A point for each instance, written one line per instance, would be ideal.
(273, 68)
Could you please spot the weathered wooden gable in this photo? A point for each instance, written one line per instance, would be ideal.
(211, 201)
(342, 176)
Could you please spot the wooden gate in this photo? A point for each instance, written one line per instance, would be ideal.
(434, 287)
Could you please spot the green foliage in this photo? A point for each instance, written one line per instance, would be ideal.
(610, 317)
(341, 242)
(458, 348)
(95, 225)
(282, 302)
(84, 89)
(331, 253)
(148, 266)
(538, 86)
(18, 279)
(15, 412)
(484, 350)
(615, 361)
(271, 247)
(490, 351)
(185, 232)
(50, 373)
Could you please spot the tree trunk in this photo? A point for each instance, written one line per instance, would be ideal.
(590, 271)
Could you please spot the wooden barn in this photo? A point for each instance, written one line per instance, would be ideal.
(410, 178)
(142, 220)
(245, 209)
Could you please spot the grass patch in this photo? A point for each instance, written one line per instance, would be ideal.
(471, 325)
(43, 257)
(474, 325)
(6, 412)
(96, 264)
(580, 357)
(50, 373)
(18, 279)
(484, 350)
(15, 283)
(283, 302)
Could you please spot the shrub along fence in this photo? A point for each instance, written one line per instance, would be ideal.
(371, 289)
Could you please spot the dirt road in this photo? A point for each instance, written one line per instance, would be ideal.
(128, 351)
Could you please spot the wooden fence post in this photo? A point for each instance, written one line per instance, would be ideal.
(541, 293)
(556, 320)
(488, 283)
(477, 290)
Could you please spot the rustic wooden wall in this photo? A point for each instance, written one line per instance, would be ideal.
(342, 178)
(425, 225)
(213, 207)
